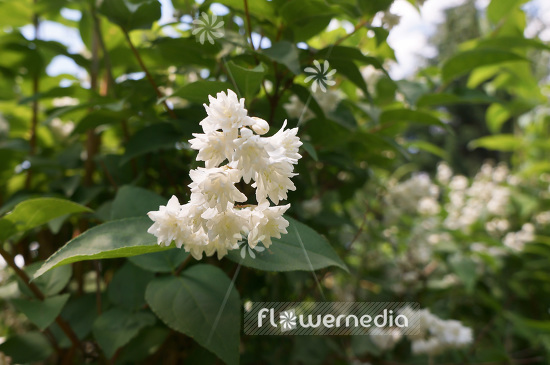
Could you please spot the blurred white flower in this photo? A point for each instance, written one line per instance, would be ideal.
(208, 28)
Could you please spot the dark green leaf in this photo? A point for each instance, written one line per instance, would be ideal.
(127, 288)
(51, 283)
(116, 327)
(132, 201)
(121, 238)
(27, 348)
(36, 212)
(285, 53)
(131, 14)
(152, 138)
(164, 261)
(41, 313)
(248, 80)
(197, 92)
(411, 116)
(199, 293)
(300, 249)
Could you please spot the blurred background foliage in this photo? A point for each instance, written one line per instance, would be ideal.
(433, 188)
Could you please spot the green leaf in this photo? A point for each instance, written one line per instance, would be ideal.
(27, 348)
(496, 116)
(127, 288)
(120, 238)
(498, 9)
(132, 201)
(307, 98)
(197, 92)
(146, 343)
(468, 97)
(200, 294)
(259, 9)
(465, 269)
(285, 53)
(306, 18)
(41, 313)
(116, 327)
(509, 42)
(429, 147)
(311, 150)
(131, 14)
(372, 7)
(498, 142)
(50, 284)
(248, 80)
(36, 212)
(465, 62)
(296, 250)
(411, 116)
(164, 261)
(152, 138)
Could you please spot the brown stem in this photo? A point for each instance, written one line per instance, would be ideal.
(97, 268)
(65, 327)
(147, 73)
(34, 117)
(183, 265)
(357, 27)
(247, 13)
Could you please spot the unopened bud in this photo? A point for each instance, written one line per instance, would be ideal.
(260, 126)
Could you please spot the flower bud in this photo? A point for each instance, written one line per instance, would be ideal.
(260, 126)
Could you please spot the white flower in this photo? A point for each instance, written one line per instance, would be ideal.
(274, 182)
(225, 227)
(267, 222)
(225, 112)
(321, 76)
(250, 154)
(284, 145)
(168, 225)
(208, 28)
(216, 186)
(213, 147)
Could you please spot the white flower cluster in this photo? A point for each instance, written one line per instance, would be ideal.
(415, 195)
(488, 194)
(211, 222)
(436, 334)
(517, 240)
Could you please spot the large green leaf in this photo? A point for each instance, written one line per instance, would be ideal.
(197, 92)
(131, 14)
(411, 116)
(152, 138)
(49, 284)
(127, 288)
(36, 212)
(248, 80)
(300, 249)
(120, 238)
(164, 261)
(41, 313)
(116, 327)
(464, 62)
(285, 53)
(196, 304)
(132, 201)
(27, 348)
(498, 9)
(498, 142)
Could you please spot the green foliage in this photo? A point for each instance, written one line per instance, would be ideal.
(212, 316)
(85, 156)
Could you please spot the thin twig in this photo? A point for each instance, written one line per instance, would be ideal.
(247, 13)
(65, 327)
(183, 265)
(148, 74)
